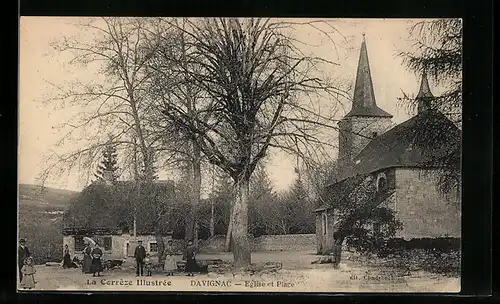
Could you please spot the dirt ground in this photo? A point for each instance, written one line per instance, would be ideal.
(297, 275)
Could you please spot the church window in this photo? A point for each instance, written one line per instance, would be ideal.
(324, 223)
(381, 182)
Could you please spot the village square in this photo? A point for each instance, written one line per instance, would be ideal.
(231, 155)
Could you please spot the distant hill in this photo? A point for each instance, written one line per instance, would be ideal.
(40, 220)
(46, 198)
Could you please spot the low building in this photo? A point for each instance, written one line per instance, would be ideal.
(116, 244)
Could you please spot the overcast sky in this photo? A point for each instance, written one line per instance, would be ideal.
(38, 62)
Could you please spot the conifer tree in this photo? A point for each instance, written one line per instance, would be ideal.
(108, 164)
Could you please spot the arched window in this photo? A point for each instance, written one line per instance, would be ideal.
(324, 222)
(381, 182)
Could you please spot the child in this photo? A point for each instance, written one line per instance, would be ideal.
(170, 265)
(148, 263)
(28, 270)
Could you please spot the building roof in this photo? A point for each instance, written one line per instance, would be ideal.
(364, 103)
(414, 143)
(341, 189)
(345, 187)
(104, 231)
(424, 96)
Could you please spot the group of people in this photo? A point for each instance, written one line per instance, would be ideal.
(143, 259)
(92, 263)
(26, 268)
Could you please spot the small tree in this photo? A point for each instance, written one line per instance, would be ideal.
(358, 205)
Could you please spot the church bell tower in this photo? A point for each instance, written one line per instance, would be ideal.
(365, 121)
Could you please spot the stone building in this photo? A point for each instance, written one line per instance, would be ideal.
(116, 243)
(399, 160)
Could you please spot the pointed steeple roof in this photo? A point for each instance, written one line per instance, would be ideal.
(424, 96)
(364, 103)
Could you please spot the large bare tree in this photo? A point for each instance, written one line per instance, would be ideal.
(259, 91)
(170, 85)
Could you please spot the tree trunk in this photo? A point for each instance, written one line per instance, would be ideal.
(337, 251)
(239, 232)
(229, 233)
(161, 246)
(194, 196)
(212, 218)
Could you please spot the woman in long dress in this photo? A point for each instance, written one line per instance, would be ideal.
(87, 259)
(96, 261)
(66, 258)
(170, 263)
(191, 265)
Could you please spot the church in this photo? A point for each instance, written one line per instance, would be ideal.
(397, 161)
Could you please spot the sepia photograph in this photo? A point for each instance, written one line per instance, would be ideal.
(239, 155)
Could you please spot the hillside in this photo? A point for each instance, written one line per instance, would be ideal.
(48, 199)
(40, 220)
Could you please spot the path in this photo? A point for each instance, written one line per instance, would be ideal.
(298, 274)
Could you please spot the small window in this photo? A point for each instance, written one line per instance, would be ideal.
(79, 243)
(107, 242)
(153, 247)
(374, 134)
(324, 223)
(381, 182)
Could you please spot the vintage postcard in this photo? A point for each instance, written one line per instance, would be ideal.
(239, 154)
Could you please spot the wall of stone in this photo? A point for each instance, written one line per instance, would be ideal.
(350, 143)
(423, 210)
(289, 242)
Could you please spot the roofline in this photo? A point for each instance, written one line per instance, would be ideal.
(368, 115)
(389, 167)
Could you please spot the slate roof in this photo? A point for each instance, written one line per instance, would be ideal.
(346, 186)
(340, 190)
(414, 143)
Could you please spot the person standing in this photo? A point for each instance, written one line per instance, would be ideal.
(67, 258)
(87, 259)
(149, 265)
(191, 265)
(28, 270)
(22, 253)
(96, 261)
(170, 265)
(139, 255)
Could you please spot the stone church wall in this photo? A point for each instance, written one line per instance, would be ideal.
(286, 242)
(422, 209)
(350, 143)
